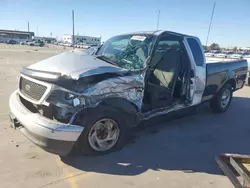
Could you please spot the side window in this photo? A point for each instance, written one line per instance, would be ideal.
(166, 43)
(196, 51)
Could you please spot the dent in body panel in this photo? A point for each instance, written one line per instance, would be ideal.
(127, 87)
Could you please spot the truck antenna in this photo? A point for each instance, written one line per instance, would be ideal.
(158, 19)
(210, 23)
(73, 24)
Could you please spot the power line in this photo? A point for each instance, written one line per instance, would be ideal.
(210, 23)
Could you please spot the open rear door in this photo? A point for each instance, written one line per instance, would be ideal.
(198, 65)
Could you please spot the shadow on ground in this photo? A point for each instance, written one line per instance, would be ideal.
(188, 144)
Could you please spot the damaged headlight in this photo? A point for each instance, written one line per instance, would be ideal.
(76, 100)
(69, 96)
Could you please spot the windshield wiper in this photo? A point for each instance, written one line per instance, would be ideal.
(106, 59)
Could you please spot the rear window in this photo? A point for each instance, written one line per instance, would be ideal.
(196, 51)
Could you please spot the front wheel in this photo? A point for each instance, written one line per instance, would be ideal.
(221, 102)
(105, 130)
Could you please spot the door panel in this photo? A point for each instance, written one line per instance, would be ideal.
(162, 78)
(197, 58)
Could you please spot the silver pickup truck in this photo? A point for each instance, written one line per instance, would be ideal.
(91, 102)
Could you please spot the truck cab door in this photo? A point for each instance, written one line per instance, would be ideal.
(198, 65)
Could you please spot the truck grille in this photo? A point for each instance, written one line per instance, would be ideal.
(31, 89)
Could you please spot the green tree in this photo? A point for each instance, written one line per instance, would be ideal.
(235, 48)
(214, 46)
(204, 47)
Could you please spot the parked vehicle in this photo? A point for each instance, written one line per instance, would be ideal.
(85, 46)
(79, 45)
(36, 43)
(25, 42)
(224, 54)
(12, 42)
(91, 103)
(240, 55)
(212, 53)
(67, 44)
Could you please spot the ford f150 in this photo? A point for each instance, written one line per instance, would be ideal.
(91, 102)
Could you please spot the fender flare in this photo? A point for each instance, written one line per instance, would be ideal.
(129, 109)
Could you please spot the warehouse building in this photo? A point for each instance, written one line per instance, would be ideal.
(82, 39)
(6, 35)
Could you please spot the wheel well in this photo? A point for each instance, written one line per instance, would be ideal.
(128, 108)
(120, 103)
(232, 82)
(123, 105)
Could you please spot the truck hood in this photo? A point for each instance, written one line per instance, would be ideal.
(75, 64)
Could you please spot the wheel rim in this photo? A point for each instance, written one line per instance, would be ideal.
(225, 98)
(104, 134)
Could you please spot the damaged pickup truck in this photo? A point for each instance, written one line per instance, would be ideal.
(91, 102)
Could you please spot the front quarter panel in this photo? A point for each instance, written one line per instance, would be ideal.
(126, 87)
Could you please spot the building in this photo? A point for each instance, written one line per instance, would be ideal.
(6, 35)
(82, 39)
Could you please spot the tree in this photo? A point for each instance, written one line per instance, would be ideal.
(235, 48)
(204, 47)
(214, 46)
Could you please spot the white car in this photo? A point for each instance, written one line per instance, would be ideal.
(211, 54)
(68, 44)
(240, 55)
(79, 45)
(224, 54)
(36, 43)
(24, 42)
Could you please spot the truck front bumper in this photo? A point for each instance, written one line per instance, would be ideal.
(52, 136)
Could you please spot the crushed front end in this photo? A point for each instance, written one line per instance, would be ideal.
(47, 125)
(46, 111)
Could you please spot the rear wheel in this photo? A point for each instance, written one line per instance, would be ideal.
(221, 102)
(105, 130)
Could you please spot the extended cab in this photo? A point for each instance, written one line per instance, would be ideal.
(91, 102)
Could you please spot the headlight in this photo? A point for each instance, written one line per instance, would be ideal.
(69, 96)
(76, 100)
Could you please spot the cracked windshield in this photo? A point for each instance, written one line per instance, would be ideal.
(124, 94)
(127, 51)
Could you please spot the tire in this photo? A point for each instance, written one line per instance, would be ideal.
(89, 119)
(32, 45)
(216, 103)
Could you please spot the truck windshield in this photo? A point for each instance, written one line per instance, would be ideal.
(126, 51)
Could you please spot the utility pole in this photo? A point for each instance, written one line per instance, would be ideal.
(158, 19)
(73, 23)
(28, 26)
(210, 23)
(36, 31)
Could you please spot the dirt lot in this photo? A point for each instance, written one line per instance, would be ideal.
(178, 153)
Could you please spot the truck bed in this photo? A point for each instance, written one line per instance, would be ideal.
(220, 72)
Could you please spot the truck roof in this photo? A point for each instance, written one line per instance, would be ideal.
(158, 32)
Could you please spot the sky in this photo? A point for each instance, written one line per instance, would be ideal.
(106, 18)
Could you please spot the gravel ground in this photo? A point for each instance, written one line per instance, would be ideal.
(177, 153)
